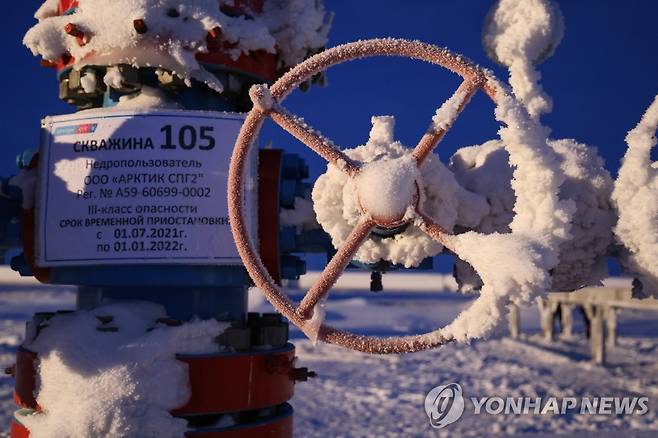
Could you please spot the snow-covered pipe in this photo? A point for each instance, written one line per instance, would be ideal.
(636, 199)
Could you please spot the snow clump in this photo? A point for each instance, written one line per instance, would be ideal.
(112, 371)
(636, 199)
(520, 34)
(337, 209)
(485, 170)
(515, 266)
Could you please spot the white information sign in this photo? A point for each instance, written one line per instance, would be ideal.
(126, 187)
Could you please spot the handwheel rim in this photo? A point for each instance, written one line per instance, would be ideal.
(474, 77)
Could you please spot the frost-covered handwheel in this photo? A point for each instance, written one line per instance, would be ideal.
(393, 202)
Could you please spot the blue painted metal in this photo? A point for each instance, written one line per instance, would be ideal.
(292, 240)
(23, 159)
(223, 303)
(151, 275)
(383, 266)
(294, 167)
(292, 267)
(20, 265)
(111, 98)
(10, 210)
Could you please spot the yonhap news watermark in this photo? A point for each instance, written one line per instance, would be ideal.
(446, 404)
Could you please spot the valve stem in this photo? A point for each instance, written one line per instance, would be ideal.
(376, 284)
(302, 374)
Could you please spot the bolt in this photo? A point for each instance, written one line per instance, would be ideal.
(73, 30)
(376, 281)
(303, 374)
(11, 371)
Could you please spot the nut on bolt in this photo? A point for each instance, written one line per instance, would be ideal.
(302, 374)
(74, 31)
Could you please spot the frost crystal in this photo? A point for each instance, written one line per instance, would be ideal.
(448, 112)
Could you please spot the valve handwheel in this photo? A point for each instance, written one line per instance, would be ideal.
(404, 187)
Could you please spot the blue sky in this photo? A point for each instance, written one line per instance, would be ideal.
(602, 77)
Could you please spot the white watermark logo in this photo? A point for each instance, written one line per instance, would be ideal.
(444, 405)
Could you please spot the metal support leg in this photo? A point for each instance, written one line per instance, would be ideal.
(597, 333)
(546, 309)
(611, 326)
(567, 320)
(514, 321)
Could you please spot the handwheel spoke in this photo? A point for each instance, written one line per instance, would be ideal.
(314, 140)
(335, 267)
(434, 230)
(444, 119)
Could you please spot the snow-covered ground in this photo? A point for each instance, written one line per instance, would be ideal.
(357, 395)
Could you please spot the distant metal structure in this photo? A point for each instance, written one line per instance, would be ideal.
(599, 304)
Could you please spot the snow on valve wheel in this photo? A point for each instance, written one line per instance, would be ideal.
(267, 103)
